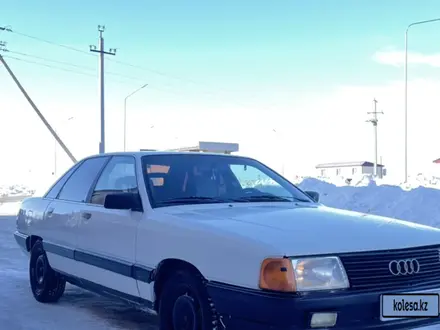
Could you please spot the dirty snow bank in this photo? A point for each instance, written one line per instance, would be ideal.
(419, 180)
(420, 205)
(14, 190)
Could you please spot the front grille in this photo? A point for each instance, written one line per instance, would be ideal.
(368, 271)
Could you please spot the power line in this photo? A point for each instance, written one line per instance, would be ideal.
(82, 73)
(79, 67)
(168, 88)
(212, 94)
(48, 66)
(53, 61)
(160, 73)
(9, 29)
(66, 63)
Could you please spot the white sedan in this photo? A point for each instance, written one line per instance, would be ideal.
(213, 241)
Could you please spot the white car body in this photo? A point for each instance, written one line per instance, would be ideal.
(120, 251)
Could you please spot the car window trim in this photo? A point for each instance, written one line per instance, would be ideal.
(95, 182)
(145, 177)
(83, 161)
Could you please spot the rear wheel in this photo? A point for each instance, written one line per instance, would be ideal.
(185, 304)
(46, 284)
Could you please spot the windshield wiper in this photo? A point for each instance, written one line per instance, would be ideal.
(192, 199)
(270, 198)
(263, 198)
(301, 200)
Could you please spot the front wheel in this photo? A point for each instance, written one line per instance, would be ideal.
(47, 285)
(185, 304)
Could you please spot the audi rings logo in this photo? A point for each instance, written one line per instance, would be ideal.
(404, 267)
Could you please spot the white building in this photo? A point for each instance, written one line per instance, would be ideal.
(349, 169)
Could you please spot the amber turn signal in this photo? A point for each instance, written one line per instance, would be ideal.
(276, 274)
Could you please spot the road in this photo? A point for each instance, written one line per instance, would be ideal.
(77, 309)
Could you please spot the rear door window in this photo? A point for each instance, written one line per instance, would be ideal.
(80, 182)
(56, 188)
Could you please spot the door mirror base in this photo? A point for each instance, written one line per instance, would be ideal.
(313, 195)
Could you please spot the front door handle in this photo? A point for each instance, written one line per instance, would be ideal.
(86, 215)
(49, 212)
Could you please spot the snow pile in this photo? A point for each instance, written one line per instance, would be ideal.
(412, 201)
(15, 190)
(420, 205)
(355, 180)
(419, 180)
(26, 190)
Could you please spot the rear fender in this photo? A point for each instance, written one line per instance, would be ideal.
(31, 214)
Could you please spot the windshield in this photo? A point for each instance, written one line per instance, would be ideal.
(178, 179)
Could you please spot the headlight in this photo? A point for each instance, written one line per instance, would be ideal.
(319, 273)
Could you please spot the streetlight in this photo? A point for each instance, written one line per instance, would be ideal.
(406, 89)
(55, 149)
(125, 112)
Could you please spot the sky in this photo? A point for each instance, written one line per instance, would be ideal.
(290, 81)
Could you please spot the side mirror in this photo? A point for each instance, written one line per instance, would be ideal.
(313, 195)
(123, 201)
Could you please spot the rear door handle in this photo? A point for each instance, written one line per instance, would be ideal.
(86, 215)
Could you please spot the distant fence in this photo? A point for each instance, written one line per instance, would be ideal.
(13, 198)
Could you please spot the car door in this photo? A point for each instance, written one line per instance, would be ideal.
(62, 215)
(107, 237)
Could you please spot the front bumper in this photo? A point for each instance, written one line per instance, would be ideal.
(259, 310)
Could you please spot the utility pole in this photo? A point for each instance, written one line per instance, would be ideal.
(374, 121)
(102, 52)
(40, 115)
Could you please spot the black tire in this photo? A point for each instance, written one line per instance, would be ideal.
(47, 285)
(185, 305)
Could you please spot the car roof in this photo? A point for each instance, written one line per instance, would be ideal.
(139, 154)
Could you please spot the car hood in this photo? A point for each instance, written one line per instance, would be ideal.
(307, 229)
